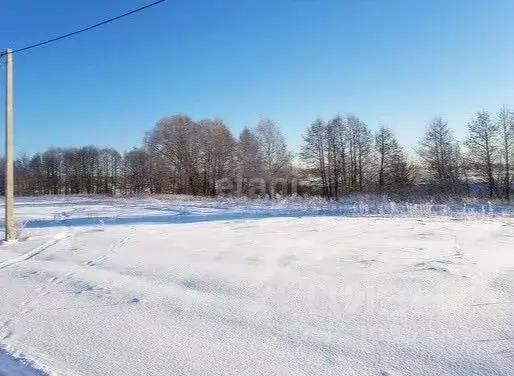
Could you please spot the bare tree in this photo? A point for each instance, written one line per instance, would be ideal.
(36, 169)
(335, 134)
(385, 144)
(393, 169)
(52, 167)
(341, 155)
(440, 154)
(314, 153)
(88, 158)
(506, 129)
(218, 153)
(275, 156)
(109, 171)
(136, 171)
(360, 154)
(71, 171)
(23, 176)
(180, 155)
(482, 143)
(177, 142)
(247, 155)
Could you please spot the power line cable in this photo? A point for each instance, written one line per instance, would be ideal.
(29, 47)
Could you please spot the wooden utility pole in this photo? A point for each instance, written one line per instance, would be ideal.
(10, 228)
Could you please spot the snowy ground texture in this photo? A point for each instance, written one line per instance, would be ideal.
(99, 286)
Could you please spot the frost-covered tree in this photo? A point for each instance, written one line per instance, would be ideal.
(483, 146)
(275, 156)
(441, 158)
(506, 128)
(248, 157)
(314, 152)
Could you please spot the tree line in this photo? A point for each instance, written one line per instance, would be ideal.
(338, 157)
(348, 158)
(179, 155)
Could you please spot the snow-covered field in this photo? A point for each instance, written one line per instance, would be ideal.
(99, 286)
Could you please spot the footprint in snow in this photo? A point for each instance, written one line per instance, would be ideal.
(367, 261)
(26, 311)
(253, 260)
(286, 261)
(444, 261)
(43, 291)
(7, 335)
(6, 323)
(428, 265)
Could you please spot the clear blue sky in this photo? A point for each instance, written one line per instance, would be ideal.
(393, 62)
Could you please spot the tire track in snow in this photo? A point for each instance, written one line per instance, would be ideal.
(68, 279)
(36, 251)
(7, 326)
(124, 239)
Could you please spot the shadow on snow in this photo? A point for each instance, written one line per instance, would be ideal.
(9, 365)
(184, 214)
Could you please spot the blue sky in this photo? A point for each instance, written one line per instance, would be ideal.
(391, 62)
